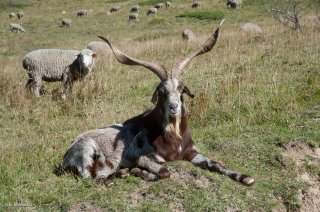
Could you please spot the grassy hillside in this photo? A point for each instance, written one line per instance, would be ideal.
(254, 95)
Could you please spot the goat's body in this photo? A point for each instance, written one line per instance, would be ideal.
(99, 153)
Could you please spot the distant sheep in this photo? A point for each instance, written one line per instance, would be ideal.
(12, 15)
(114, 9)
(196, 4)
(82, 12)
(234, 4)
(168, 4)
(16, 28)
(20, 14)
(251, 28)
(135, 9)
(152, 11)
(133, 17)
(159, 5)
(57, 65)
(66, 22)
(101, 49)
(187, 35)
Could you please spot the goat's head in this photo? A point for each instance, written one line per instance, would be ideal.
(169, 93)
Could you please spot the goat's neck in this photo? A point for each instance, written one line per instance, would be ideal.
(172, 125)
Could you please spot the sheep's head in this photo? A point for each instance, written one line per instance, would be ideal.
(86, 58)
(169, 93)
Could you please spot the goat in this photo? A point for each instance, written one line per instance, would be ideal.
(145, 142)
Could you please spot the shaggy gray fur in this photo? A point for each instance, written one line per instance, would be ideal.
(57, 65)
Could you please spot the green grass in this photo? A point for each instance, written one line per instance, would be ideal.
(254, 93)
(151, 2)
(202, 15)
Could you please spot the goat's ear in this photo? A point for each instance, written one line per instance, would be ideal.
(154, 99)
(187, 91)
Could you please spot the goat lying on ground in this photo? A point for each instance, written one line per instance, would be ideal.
(145, 142)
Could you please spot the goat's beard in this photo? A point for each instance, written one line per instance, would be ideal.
(172, 123)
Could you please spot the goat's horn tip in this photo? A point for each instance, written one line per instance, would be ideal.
(103, 38)
(221, 22)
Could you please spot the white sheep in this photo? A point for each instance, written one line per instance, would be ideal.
(114, 9)
(20, 15)
(168, 4)
(57, 65)
(152, 11)
(187, 35)
(159, 5)
(196, 4)
(133, 17)
(16, 28)
(234, 4)
(135, 8)
(82, 12)
(66, 22)
(12, 15)
(251, 28)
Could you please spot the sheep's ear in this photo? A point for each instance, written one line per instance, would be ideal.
(154, 99)
(187, 91)
(94, 55)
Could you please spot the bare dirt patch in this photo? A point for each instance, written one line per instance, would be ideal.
(302, 152)
(189, 176)
(85, 207)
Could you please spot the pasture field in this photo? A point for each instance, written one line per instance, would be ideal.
(256, 110)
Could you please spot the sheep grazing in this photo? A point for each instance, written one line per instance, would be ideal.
(168, 4)
(135, 9)
(82, 12)
(114, 9)
(57, 65)
(187, 35)
(234, 4)
(152, 11)
(196, 4)
(251, 28)
(20, 15)
(66, 22)
(159, 5)
(133, 17)
(145, 142)
(12, 15)
(16, 28)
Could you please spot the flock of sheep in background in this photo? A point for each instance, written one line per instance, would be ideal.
(68, 66)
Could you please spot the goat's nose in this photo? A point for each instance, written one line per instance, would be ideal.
(173, 106)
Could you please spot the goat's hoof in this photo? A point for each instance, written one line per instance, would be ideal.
(123, 173)
(164, 173)
(248, 181)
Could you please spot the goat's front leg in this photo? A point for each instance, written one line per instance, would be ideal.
(151, 163)
(203, 162)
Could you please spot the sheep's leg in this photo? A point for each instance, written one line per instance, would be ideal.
(37, 86)
(67, 85)
(151, 164)
(213, 166)
(29, 84)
